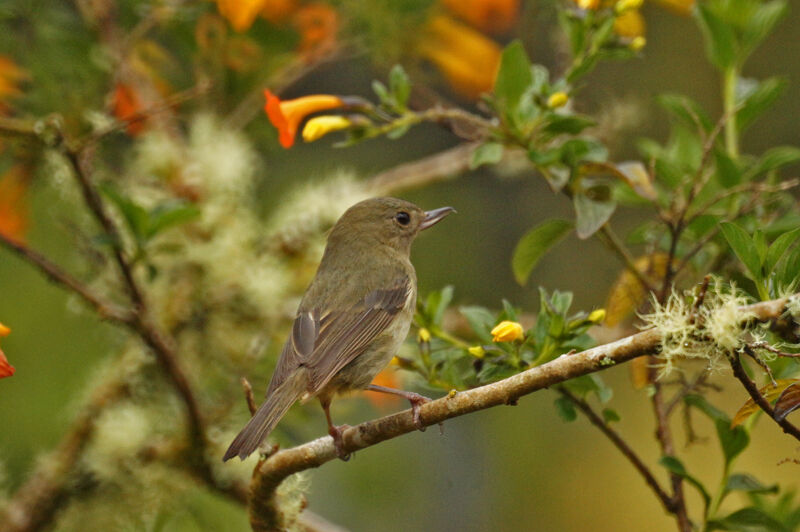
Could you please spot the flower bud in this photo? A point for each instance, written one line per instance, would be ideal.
(557, 99)
(477, 351)
(424, 335)
(507, 331)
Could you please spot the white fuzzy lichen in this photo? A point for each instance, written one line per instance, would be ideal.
(709, 332)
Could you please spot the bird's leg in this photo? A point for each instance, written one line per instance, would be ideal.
(415, 399)
(335, 432)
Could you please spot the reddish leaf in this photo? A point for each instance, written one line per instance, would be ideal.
(788, 401)
(769, 392)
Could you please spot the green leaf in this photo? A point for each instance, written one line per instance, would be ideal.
(480, 320)
(567, 124)
(686, 110)
(673, 465)
(719, 37)
(775, 158)
(758, 100)
(749, 484)
(610, 416)
(590, 215)
(566, 410)
(743, 246)
(399, 85)
(169, 214)
(779, 247)
(733, 440)
(575, 151)
(382, 93)
(534, 244)
(728, 172)
(761, 23)
(136, 217)
(788, 273)
(487, 153)
(749, 519)
(513, 77)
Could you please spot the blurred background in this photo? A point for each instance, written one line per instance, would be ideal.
(509, 468)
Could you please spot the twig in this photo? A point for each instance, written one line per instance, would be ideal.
(54, 273)
(760, 400)
(436, 167)
(664, 436)
(612, 241)
(248, 396)
(623, 447)
(36, 502)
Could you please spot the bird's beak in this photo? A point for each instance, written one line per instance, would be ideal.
(431, 217)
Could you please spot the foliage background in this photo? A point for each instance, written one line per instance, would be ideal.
(503, 469)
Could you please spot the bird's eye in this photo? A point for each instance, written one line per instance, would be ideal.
(402, 218)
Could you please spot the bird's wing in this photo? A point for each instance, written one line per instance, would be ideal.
(342, 336)
(326, 341)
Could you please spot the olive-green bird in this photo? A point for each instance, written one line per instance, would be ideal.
(352, 318)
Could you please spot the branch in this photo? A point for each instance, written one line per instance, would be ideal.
(55, 274)
(760, 400)
(36, 503)
(666, 501)
(270, 472)
(437, 167)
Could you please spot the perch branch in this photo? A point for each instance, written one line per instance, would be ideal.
(270, 472)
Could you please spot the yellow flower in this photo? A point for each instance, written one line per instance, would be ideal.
(588, 4)
(287, 115)
(627, 5)
(4, 331)
(507, 331)
(557, 99)
(597, 316)
(629, 24)
(320, 126)
(424, 335)
(637, 43)
(477, 351)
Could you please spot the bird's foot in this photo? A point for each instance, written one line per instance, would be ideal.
(417, 401)
(338, 443)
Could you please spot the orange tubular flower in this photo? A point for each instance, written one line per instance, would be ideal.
(468, 60)
(317, 25)
(490, 16)
(240, 13)
(14, 205)
(286, 116)
(6, 369)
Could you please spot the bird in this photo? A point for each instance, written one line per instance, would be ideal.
(351, 320)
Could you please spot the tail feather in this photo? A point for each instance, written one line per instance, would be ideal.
(267, 416)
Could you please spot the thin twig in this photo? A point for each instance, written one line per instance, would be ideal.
(54, 273)
(622, 446)
(613, 242)
(248, 396)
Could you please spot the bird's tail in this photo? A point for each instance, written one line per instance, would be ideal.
(267, 416)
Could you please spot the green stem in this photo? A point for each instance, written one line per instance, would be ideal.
(716, 500)
(729, 80)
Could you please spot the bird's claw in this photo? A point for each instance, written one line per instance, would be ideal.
(417, 401)
(338, 442)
